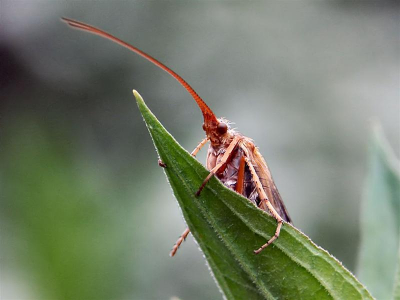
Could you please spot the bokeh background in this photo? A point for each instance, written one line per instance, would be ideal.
(86, 213)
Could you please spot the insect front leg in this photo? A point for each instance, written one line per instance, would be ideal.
(194, 152)
(184, 235)
(223, 161)
(161, 164)
(199, 146)
(265, 201)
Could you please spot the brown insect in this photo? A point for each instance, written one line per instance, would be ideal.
(232, 157)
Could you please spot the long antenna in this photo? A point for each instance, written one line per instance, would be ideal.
(207, 112)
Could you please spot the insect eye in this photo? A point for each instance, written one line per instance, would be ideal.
(204, 127)
(222, 128)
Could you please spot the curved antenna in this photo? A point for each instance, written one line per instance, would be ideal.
(207, 112)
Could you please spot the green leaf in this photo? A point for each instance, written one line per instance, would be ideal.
(228, 228)
(380, 221)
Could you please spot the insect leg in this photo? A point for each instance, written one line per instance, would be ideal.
(194, 152)
(265, 201)
(187, 231)
(161, 164)
(179, 242)
(240, 180)
(223, 161)
(199, 146)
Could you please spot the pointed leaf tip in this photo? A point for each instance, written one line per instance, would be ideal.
(137, 96)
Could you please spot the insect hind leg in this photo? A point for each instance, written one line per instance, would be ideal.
(271, 240)
(267, 204)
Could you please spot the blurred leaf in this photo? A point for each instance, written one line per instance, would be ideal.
(228, 228)
(380, 220)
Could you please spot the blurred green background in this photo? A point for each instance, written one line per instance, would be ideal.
(85, 211)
